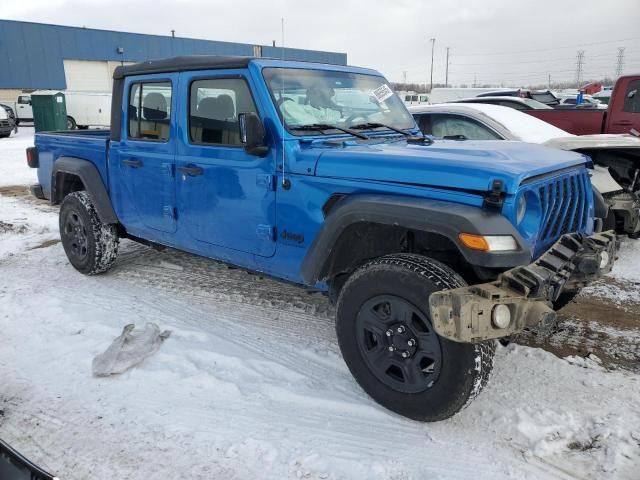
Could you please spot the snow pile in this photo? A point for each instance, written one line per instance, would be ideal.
(13, 159)
(628, 270)
(626, 288)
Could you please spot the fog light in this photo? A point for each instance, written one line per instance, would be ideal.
(604, 260)
(501, 316)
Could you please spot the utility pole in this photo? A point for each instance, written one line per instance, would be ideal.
(446, 72)
(433, 46)
(404, 78)
(474, 81)
(173, 34)
(620, 62)
(579, 68)
(549, 83)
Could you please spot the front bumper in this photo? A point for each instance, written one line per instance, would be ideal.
(466, 314)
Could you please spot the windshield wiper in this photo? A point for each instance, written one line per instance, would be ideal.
(364, 126)
(325, 126)
(410, 136)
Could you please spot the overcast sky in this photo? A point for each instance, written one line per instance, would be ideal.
(513, 42)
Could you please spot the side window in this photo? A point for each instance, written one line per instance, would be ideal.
(632, 97)
(424, 123)
(454, 125)
(570, 101)
(23, 100)
(149, 111)
(214, 105)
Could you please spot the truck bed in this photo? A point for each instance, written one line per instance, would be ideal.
(92, 145)
(576, 121)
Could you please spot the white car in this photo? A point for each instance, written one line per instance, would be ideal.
(6, 125)
(587, 100)
(616, 158)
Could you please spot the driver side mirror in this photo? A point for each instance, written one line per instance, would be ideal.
(252, 134)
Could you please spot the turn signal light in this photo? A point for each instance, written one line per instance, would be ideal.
(489, 243)
(474, 242)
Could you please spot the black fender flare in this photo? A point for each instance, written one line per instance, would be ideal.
(92, 181)
(434, 216)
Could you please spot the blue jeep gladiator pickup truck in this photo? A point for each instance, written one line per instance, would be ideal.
(318, 175)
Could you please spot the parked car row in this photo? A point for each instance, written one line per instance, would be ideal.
(621, 115)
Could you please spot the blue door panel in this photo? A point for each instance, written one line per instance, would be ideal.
(143, 171)
(225, 197)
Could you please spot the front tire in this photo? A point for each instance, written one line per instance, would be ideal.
(387, 340)
(91, 246)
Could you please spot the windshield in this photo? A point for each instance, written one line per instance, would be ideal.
(545, 97)
(319, 97)
(536, 105)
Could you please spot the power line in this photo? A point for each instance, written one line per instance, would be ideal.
(563, 59)
(548, 49)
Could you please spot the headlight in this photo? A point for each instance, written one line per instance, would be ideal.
(522, 209)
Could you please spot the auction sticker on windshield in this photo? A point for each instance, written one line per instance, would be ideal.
(382, 93)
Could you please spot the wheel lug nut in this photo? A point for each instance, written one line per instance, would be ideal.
(411, 342)
(391, 348)
(405, 354)
(389, 332)
(400, 329)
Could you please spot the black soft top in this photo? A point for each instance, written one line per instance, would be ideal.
(182, 64)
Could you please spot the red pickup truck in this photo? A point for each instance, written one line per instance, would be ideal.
(622, 116)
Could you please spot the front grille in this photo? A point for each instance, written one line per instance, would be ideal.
(4, 123)
(564, 205)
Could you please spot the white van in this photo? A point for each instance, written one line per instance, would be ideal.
(84, 109)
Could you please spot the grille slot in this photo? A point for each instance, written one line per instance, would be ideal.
(564, 207)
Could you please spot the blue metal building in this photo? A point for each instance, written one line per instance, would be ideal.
(32, 55)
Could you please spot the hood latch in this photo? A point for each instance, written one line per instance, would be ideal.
(494, 199)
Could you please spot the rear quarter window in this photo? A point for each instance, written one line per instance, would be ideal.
(632, 97)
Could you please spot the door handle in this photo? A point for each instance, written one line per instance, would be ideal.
(191, 170)
(133, 163)
(623, 123)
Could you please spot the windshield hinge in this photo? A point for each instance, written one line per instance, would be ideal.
(495, 197)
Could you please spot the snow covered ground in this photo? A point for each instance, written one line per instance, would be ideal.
(251, 384)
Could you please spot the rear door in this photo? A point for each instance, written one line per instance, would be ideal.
(626, 111)
(226, 197)
(143, 163)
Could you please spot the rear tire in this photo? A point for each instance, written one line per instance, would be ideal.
(71, 123)
(90, 245)
(385, 304)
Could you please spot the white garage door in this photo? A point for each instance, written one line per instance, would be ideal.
(87, 76)
(90, 75)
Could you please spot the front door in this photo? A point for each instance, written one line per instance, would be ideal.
(143, 164)
(226, 197)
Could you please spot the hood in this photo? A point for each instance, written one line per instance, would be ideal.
(460, 165)
(594, 142)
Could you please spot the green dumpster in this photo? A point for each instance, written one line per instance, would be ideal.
(49, 110)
